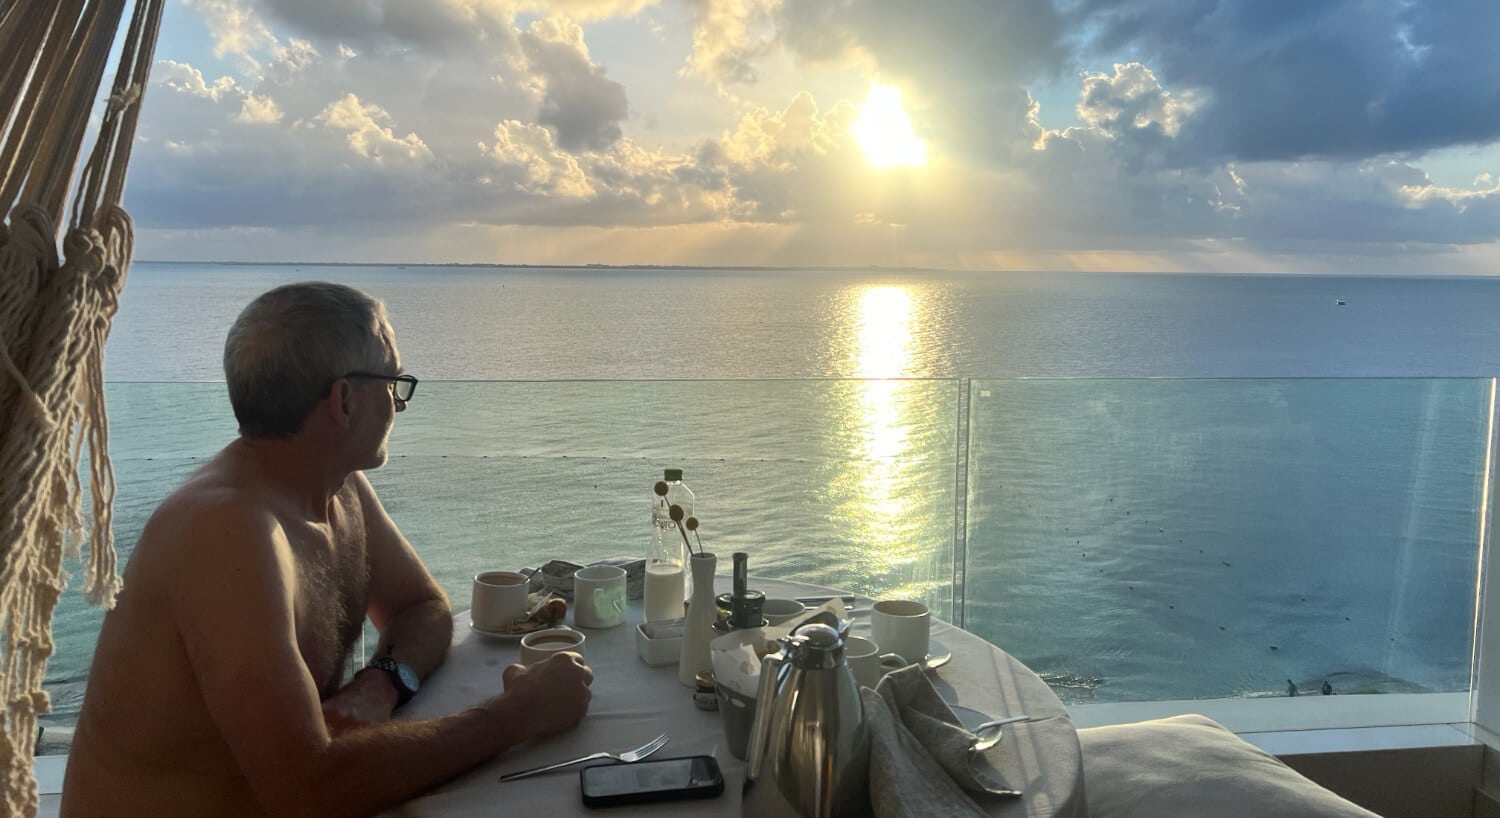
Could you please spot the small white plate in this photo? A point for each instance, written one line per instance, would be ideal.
(514, 634)
(508, 636)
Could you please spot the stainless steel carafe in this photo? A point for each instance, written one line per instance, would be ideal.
(809, 749)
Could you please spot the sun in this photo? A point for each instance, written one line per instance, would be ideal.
(884, 132)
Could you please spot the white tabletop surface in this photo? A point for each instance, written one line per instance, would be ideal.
(633, 702)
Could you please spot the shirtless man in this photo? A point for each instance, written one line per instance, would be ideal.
(216, 685)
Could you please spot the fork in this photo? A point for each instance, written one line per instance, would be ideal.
(626, 757)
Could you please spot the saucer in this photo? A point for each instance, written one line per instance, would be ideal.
(515, 632)
(937, 656)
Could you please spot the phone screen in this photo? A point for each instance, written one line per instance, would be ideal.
(669, 777)
(668, 774)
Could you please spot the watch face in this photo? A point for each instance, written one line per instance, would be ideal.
(408, 676)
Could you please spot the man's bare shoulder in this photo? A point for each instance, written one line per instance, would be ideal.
(218, 506)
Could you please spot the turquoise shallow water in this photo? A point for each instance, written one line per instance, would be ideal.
(1131, 537)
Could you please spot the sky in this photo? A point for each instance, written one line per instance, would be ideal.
(1322, 136)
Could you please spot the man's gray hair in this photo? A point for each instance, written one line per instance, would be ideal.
(288, 347)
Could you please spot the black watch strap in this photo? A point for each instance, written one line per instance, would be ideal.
(402, 676)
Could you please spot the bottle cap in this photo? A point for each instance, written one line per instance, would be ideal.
(672, 474)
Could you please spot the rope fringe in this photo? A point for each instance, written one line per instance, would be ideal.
(56, 308)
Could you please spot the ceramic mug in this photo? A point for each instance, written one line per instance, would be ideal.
(863, 656)
(599, 596)
(538, 646)
(901, 626)
(499, 600)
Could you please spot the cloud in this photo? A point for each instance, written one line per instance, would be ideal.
(234, 26)
(434, 27)
(1333, 78)
(588, 9)
(962, 66)
(371, 125)
(579, 103)
(543, 167)
(188, 80)
(974, 43)
(1132, 101)
(439, 26)
(367, 133)
(258, 109)
(729, 36)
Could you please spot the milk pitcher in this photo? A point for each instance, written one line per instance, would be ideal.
(809, 754)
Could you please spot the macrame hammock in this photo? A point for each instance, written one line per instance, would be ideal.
(59, 287)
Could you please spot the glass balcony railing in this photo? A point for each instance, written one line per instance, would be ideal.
(1131, 540)
(1139, 540)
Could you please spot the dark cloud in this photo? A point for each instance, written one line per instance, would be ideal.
(968, 42)
(432, 26)
(1308, 78)
(355, 21)
(581, 105)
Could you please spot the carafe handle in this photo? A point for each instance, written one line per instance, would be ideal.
(771, 668)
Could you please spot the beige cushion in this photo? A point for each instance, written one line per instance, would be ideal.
(1191, 766)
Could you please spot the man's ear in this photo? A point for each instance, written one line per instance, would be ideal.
(339, 405)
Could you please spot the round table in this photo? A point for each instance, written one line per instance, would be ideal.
(633, 702)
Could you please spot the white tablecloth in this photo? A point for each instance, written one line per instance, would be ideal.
(633, 702)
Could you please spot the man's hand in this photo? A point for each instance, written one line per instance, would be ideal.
(553, 694)
(369, 698)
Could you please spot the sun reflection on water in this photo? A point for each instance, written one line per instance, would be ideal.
(880, 503)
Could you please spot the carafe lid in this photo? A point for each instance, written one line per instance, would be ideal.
(672, 474)
(819, 648)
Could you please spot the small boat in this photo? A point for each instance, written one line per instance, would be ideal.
(1340, 302)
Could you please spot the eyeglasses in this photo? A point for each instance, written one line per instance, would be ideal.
(402, 386)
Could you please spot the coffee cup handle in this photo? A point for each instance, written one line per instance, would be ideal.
(892, 661)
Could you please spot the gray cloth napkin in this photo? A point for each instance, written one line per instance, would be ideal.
(919, 752)
(556, 576)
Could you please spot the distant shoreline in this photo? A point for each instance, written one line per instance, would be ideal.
(820, 268)
(591, 266)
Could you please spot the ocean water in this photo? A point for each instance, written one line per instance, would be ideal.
(1152, 486)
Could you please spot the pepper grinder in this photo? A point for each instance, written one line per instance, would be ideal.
(745, 605)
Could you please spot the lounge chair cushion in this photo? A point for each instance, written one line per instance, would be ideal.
(1191, 765)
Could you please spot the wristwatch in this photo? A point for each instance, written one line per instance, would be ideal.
(406, 680)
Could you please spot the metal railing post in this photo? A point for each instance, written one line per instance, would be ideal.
(961, 502)
(1484, 683)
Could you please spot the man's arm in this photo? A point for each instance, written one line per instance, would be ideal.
(235, 607)
(406, 605)
(405, 602)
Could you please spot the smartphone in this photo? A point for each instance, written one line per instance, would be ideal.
(645, 782)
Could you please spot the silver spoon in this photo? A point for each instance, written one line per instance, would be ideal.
(983, 742)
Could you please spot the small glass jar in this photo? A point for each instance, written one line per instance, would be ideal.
(704, 697)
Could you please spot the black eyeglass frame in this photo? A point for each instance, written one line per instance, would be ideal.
(400, 383)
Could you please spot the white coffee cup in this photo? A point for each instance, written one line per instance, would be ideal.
(777, 611)
(499, 600)
(901, 626)
(538, 646)
(863, 656)
(599, 596)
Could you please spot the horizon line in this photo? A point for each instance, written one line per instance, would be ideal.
(809, 268)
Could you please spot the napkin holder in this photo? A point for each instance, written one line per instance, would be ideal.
(660, 643)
